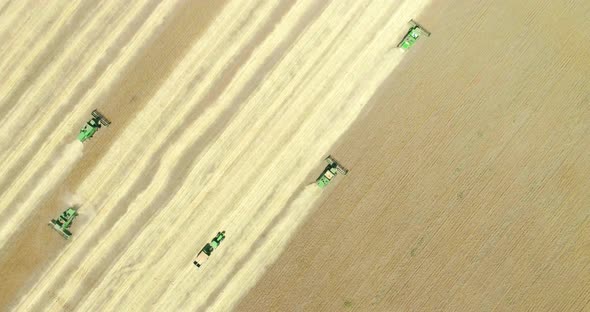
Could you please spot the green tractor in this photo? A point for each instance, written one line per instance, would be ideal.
(330, 172)
(208, 249)
(63, 223)
(92, 126)
(412, 36)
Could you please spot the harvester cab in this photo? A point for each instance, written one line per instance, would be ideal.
(415, 32)
(64, 221)
(93, 125)
(331, 170)
(208, 249)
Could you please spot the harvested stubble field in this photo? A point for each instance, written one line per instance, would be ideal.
(469, 155)
(469, 184)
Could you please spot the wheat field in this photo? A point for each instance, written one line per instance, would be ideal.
(469, 184)
(222, 113)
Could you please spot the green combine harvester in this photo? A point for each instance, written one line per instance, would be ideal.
(93, 125)
(63, 223)
(412, 36)
(330, 172)
(208, 249)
